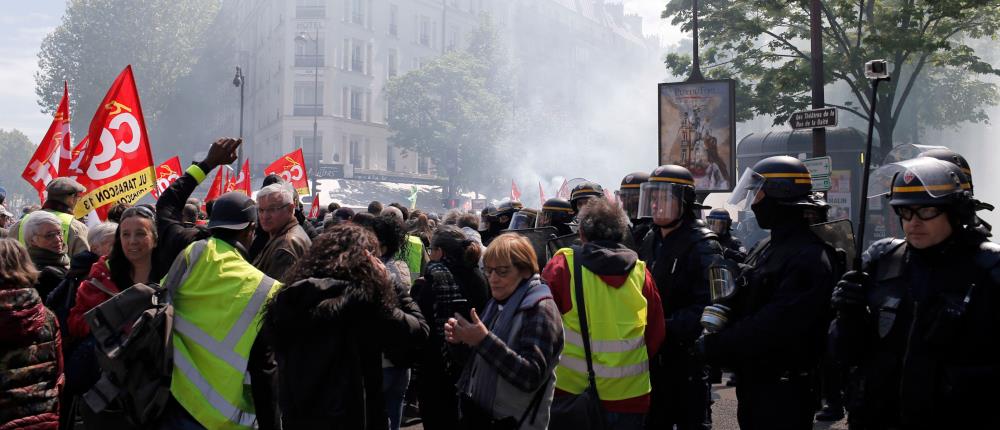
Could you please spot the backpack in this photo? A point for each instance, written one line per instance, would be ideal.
(133, 334)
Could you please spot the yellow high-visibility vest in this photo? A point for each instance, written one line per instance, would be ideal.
(414, 256)
(617, 321)
(218, 297)
(65, 218)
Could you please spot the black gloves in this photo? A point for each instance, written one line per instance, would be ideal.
(850, 292)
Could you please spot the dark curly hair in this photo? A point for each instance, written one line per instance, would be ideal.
(389, 232)
(340, 253)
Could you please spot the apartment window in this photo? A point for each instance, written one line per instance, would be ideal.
(304, 140)
(357, 57)
(452, 37)
(310, 9)
(390, 158)
(306, 102)
(424, 36)
(357, 103)
(358, 12)
(423, 165)
(393, 63)
(356, 157)
(394, 20)
(309, 53)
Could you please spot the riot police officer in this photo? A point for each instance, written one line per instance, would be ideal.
(920, 320)
(776, 332)
(721, 223)
(957, 159)
(678, 250)
(582, 192)
(556, 213)
(628, 197)
(499, 219)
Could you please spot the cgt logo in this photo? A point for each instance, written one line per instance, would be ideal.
(293, 172)
(123, 125)
(164, 176)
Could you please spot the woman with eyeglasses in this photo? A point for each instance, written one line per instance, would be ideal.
(510, 380)
(130, 262)
(452, 282)
(46, 243)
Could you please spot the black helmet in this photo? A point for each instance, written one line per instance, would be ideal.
(523, 219)
(720, 214)
(584, 190)
(555, 211)
(719, 221)
(234, 211)
(926, 181)
(945, 154)
(783, 179)
(628, 193)
(506, 208)
(669, 186)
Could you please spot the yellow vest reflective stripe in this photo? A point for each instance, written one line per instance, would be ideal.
(413, 256)
(65, 218)
(218, 297)
(616, 319)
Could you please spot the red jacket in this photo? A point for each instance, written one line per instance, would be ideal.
(557, 275)
(88, 296)
(31, 367)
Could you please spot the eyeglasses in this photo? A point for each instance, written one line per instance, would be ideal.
(925, 213)
(138, 211)
(501, 271)
(272, 210)
(52, 235)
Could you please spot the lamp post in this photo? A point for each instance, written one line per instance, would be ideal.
(238, 81)
(302, 38)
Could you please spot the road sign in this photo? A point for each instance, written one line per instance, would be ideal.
(816, 118)
(821, 183)
(819, 166)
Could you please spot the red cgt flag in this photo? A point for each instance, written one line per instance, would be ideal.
(541, 194)
(166, 174)
(515, 194)
(218, 187)
(118, 163)
(54, 150)
(241, 183)
(564, 191)
(314, 209)
(292, 168)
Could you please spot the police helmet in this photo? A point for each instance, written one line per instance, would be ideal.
(628, 193)
(506, 208)
(555, 211)
(583, 191)
(925, 181)
(782, 178)
(719, 221)
(668, 194)
(955, 158)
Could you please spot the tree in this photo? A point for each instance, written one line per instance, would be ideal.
(452, 111)
(98, 38)
(764, 45)
(17, 150)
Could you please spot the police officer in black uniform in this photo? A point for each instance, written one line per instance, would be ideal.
(957, 159)
(921, 321)
(628, 197)
(582, 192)
(556, 213)
(678, 250)
(779, 317)
(499, 219)
(721, 223)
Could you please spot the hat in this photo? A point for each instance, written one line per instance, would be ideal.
(344, 213)
(233, 211)
(64, 187)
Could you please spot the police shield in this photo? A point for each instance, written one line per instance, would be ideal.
(538, 237)
(840, 235)
(561, 242)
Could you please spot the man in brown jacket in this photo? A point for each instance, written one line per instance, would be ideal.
(288, 241)
(63, 193)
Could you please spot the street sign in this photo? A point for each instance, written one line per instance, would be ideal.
(821, 183)
(819, 166)
(816, 118)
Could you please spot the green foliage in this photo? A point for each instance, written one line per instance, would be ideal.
(765, 46)
(452, 110)
(98, 38)
(17, 150)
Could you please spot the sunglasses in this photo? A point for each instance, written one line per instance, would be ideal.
(138, 211)
(925, 213)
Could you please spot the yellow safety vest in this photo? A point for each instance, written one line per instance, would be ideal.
(616, 320)
(414, 256)
(65, 218)
(218, 297)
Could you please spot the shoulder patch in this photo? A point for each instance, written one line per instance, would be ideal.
(880, 248)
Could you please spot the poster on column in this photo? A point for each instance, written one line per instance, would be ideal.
(697, 130)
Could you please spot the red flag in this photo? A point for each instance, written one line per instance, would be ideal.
(166, 174)
(515, 194)
(314, 209)
(242, 182)
(230, 181)
(45, 164)
(218, 187)
(75, 168)
(118, 163)
(541, 194)
(292, 168)
(563, 192)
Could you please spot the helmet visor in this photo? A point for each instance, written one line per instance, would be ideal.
(746, 190)
(661, 201)
(919, 175)
(719, 226)
(628, 199)
(522, 220)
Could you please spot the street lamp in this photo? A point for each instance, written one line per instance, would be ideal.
(238, 82)
(303, 37)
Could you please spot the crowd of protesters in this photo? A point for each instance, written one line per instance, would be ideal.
(362, 318)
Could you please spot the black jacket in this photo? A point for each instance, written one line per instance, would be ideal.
(781, 315)
(927, 345)
(328, 336)
(678, 264)
(173, 236)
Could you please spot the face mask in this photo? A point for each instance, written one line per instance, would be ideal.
(765, 212)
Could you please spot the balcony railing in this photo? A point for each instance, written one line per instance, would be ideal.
(309, 60)
(310, 11)
(307, 110)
